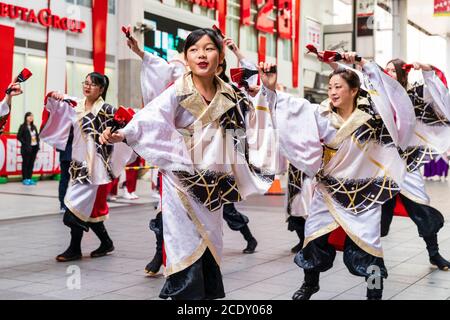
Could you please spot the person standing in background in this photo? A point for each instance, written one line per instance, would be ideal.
(29, 138)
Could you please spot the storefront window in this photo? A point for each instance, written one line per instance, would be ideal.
(33, 98)
(287, 50)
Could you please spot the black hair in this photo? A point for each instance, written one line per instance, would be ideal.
(196, 35)
(351, 78)
(25, 120)
(402, 75)
(101, 80)
(223, 74)
(26, 116)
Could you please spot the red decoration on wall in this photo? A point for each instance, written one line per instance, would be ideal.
(221, 7)
(296, 45)
(99, 27)
(263, 23)
(245, 12)
(6, 58)
(284, 19)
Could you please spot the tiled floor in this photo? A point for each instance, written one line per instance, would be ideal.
(28, 247)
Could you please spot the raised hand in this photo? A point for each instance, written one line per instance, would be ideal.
(268, 79)
(134, 46)
(15, 88)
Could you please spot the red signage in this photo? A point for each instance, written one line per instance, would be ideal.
(442, 7)
(263, 23)
(47, 161)
(43, 17)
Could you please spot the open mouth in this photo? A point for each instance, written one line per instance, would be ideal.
(203, 65)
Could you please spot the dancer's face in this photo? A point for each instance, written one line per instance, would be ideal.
(91, 90)
(340, 93)
(203, 58)
(390, 69)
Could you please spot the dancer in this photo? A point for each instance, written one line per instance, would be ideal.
(156, 68)
(93, 165)
(200, 174)
(431, 104)
(348, 145)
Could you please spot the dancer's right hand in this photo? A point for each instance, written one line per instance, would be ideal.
(16, 90)
(57, 96)
(134, 46)
(109, 138)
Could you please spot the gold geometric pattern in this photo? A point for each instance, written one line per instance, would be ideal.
(296, 178)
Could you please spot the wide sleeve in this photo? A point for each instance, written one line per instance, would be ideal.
(60, 117)
(152, 134)
(436, 91)
(157, 74)
(299, 133)
(262, 136)
(392, 103)
(4, 108)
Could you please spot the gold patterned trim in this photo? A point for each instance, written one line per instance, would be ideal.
(194, 103)
(358, 241)
(83, 217)
(265, 109)
(198, 253)
(321, 232)
(198, 225)
(357, 119)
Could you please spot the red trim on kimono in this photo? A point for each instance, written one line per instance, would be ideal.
(101, 208)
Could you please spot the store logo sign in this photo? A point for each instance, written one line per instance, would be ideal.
(43, 17)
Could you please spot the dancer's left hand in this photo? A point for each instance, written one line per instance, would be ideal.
(268, 79)
(109, 138)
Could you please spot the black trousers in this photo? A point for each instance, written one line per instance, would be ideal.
(427, 219)
(28, 159)
(200, 281)
(64, 181)
(235, 220)
(318, 256)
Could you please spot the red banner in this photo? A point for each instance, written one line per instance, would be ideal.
(296, 45)
(99, 28)
(442, 7)
(47, 160)
(222, 14)
(6, 58)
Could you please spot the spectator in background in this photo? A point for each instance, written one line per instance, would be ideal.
(65, 158)
(29, 138)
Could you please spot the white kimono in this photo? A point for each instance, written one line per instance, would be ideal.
(355, 163)
(431, 103)
(93, 165)
(204, 165)
(4, 108)
(157, 74)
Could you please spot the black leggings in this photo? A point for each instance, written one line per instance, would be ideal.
(28, 159)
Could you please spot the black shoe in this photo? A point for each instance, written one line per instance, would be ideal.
(153, 267)
(305, 292)
(440, 262)
(69, 255)
(374, 298)
(251, 246)
(103, 250)
(297, 247)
